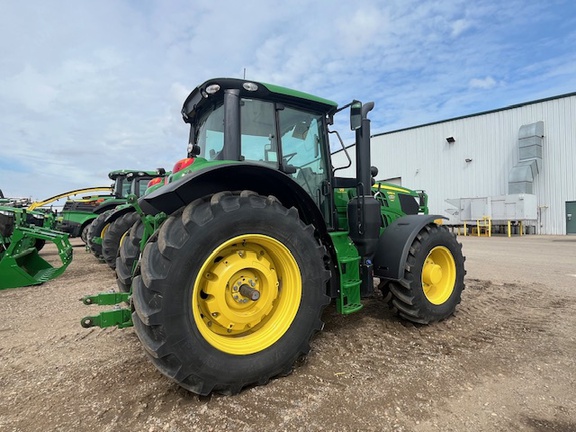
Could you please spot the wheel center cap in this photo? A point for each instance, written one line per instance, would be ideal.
(432, 274)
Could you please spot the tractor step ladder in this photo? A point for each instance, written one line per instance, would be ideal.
(349, 267)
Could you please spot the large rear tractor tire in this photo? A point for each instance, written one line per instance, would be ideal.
(97, 228)
(128, 254)
(115, 236)
(433, 277)
(230, 293)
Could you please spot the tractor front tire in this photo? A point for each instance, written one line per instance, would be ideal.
(433, 277)
(128, 254)
(84, 232)
(115, 236)
(230, 293)
(97, 228)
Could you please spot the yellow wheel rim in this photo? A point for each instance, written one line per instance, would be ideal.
(123, 238)
(247, 294)
(103, 232)
(438, 275)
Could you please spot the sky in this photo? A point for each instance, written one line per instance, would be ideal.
(87, 87)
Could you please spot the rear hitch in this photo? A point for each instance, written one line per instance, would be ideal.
(106, 298)
(119, 316)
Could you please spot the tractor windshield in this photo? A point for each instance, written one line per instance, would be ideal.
(121, 186)
(139, 186)
(208, 133)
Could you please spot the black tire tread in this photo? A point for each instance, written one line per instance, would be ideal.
(151, 306)
(111, 241)
(94, 230)
(129, 253)
(407, 298)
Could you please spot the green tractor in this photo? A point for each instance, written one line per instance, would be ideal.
(23, 234)
(118, 221)
(242, 253)
(105, 245)
(78, 214)
(132, 241)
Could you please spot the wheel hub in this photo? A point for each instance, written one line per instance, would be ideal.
(432, 273)
(234, 312)
(239, 290)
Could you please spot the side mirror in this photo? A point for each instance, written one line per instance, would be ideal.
(355, 115)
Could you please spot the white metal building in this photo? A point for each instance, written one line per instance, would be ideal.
(525, 148)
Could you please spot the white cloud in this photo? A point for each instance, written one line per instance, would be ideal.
(483, 83)
(30, 89)
(88, 87)
(459, 27)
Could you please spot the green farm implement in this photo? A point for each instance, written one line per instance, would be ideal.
(22, 235)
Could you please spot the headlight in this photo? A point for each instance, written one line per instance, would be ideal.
(212, 88)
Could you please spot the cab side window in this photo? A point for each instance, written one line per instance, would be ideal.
(302, 147)
(258, 132)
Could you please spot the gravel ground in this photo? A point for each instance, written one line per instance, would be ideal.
(506, 360)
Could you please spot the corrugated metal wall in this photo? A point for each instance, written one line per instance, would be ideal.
(423, 158)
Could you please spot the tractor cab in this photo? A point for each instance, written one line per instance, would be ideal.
(270, 126)
(128, 182)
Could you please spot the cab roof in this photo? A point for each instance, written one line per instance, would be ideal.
(257, 90)
(113, 175)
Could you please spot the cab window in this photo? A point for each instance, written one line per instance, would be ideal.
(209, 132)
(302, 150)
(257, 128)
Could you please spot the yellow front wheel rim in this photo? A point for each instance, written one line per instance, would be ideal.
(439, 275)
(126, 233)
(247, 294)
(104, 230)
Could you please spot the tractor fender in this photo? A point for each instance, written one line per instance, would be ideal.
(234, 177)
(394, 245)
(118, 212)
(237, 177)
(108, 205)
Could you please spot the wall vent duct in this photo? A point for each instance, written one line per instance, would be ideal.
(522, 176)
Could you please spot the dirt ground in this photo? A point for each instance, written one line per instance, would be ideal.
(505, 362)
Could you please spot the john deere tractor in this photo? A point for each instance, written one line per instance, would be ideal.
(242, 253)
(115, 223)
(78, 214)
(127, 182)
